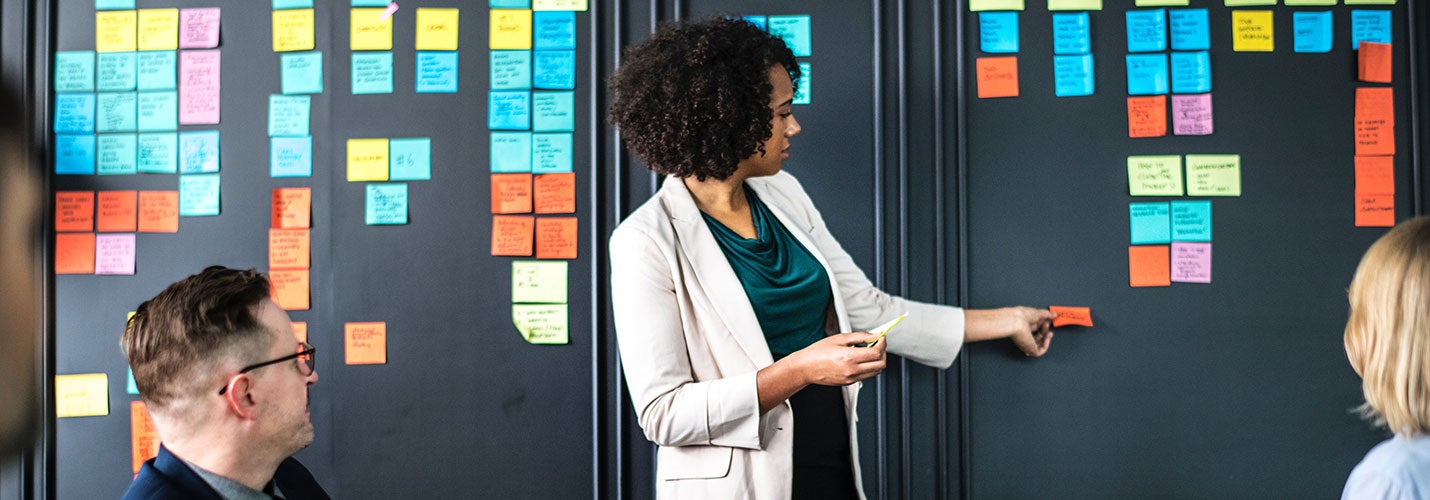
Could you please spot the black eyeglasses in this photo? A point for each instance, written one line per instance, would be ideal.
(304, 354)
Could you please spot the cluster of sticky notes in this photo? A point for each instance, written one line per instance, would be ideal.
(82, 395)
(1072, 54)
(143, 436)
(365, 343)
(436, 43)
(525, 236)
(539, 300)
(116, 216)
(998, 33)
(1375, 147)
(1152, 73)
(1206, 175)
(795, 31)
(289, 247)
(1171, 240)
(381, 160)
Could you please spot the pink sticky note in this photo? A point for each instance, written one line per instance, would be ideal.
(1191, 262)
(198, 28)
(198, 87)
(388, 12)
(114, 253)
(1192, 114)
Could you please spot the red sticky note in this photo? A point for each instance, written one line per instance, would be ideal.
(158, 211)
(997, 77)
(556, 238)
(118, 211)
(512, 235)
(1150, 265)
(292, 207)
(555, 193)
(290, 289)
(1147, 116)
(1069, 315)
(1374, 62)
(143, 437)
(1375, 210)
(300, 331)
(511, 193)
(74, 211)
(1375, 175)
(288, 249)
(365, 343)
(1375, 121)
(74, 253)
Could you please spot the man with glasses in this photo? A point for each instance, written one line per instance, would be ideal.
(226, 383)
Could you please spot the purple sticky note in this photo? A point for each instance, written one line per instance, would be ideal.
(114, 253)
(198, 87)
(198, 28)
(1192, 114)
(1191, 262)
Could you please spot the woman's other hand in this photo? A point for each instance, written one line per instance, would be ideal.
(1030, 329)
(841, 359)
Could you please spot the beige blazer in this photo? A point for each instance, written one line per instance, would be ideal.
(690, 342)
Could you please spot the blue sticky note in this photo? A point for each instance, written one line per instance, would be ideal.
(117, 112)
(159, 153)
(1191, 72)
(1313, 31)
(74, 154)
(302, 72)
(372, 73)
(113, 4)
(1370, 26)
(288, 115)
(509, 110)
(509, 4)
(74, 71)
(116, 71)
(511, 152)
(998, 32)
(158, 111)
(198, 195)
(436, 72)
(1146, 30)
(1146, 74)
(1190, 30)
(554, 69)
(158, 70)
(553, 30)
(1192, 220)
(386, 203)
(130, 387)
(1151, 223)
(290, 156)
(198, 152)
(551, 153)
(370, 3)
(758, 21)
(292, 4)
(1072, 75)
(795, 32)
(511, 69)
(801, 87)
(117, 154)
(74, 113)
(1071, 33)
(409, 159)
(553, 111)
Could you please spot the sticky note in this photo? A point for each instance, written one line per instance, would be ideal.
(1074, 5)
(1370, 2)
(74, 211)
(1146, 74)
(370, 30)
(554, 69)
(1214, 175)
(997, 77)
(512, 151)
(199, 82)
(292, 207)
(1191, 220)
(1068, 315)
(550, 153)
(300, 331)
(795, 31)
(159, 29)
(1154, 175)
(998, 32)
(1375, 121)
(82, 395)
(292, 4)
(158, 70)
(386, 204)
(290, 156)
(198, 195)
(1151, 222)
(541, 323)
(1375, 210)
(1191, 262)
(118, 154)
(535, 281)
(556, 238)
(114, 254)
(758, 21)
(510, 29)
(1160, 3)
(1071, 33)
(410, 159)
(511, 193)
(436, 72)
(512, 235)
(1192, 114)
(1149, 265)
(118, 211)
(1072, 75)
(290, 289)
(509, 110)
(158, 111)
(437, 28)
(302, 72)
(554, 193)
(579, 5)
(510, 69)
(158, 211)
(1191, 72)
(1374, 62)
(1146, 30)
(1375, 175)
(554, 30)
(1252, 31)
(370, 3)
(1304, 3)
(365, 343)
(1147, 116)
(115, 31)
(74, 71)
(130, 388)
(1313, 31)
(74, 113)
(372, 72)
(509, 4)
(1189, 29)
(1370, 26)
(113, 4)
(74, 154)
(288, 249)
(198, 152)
(293, 30)
(801, 89)
(116, 112)
(74, 253)
(288, 115)
(116, 71)
(367, 160)
(553, 111)
(198, 28)
(143, 437)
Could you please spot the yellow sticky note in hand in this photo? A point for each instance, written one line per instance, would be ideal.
(82, 395)
(370, 30)
(437, 29)
(367, 160)
(511, 29)
(883, 329)
(292, 30)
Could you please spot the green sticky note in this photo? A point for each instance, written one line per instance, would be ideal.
(538, 281)
(159, 153)
(386, 204)
(288, 115)
(1074, 4)
(158, 111)
(1306, 3)
(553, 111)
(801, 91)
(74, 71)
(1192, 220)
(1370, 2)
(116, 70)
(198, 195)
(117, 154)
(551, 153)
(372, 73)
(158, 70)
(796, 32)
(511, 152)
(982, 5)
(1214, 175)
(302, 72)
(1151, 223)
(541, 323)
(116, 112)
(1154, 175)
(409, 159)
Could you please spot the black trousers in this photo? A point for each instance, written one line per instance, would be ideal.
(822, 468)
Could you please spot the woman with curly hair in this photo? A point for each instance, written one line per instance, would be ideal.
(729, 291)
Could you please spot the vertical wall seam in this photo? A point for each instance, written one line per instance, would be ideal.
(598, 252)
(880, 411)
(905, 421)
(940, 280)
(1412, 34)
(965, 424)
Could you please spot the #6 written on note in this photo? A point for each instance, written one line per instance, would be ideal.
(538, 281)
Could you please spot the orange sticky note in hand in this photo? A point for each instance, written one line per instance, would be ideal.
(512, 235)
(118, 211)
(300, 331)
(997, 76)
(511, 193)
(1068, 315)
(1375, 121)
(143, 437)
(74, 253)
(365, 343)
(288, 249)
(1375, 175)
(555, 193)
(556, 238)
(1374, 62)
(74, 211)
(158, 211)
(1150, 265)
(1375, 210)
(290, 289)
(292, 208)
(1147, 116)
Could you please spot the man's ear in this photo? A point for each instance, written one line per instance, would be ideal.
(239, 397)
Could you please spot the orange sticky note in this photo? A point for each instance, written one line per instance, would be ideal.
(118, 211)
(1374, 62)
(1375, 121)
(1375, 175)
(1068, 315)
(512, 235)
(1147, 116)
(158, 211)
(1150, 265)
(288, 249)
(292, 207)
(300, 331)
(143, 437)
(555, 193)
(1375, 210)
(556, 238)
(74, 211)
(74, 253)
(511, 193)
(997, 77)
(365, 343)
(290, 289)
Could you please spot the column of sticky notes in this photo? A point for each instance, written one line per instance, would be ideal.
(290, 154)
(1374, 119)
(997, 76)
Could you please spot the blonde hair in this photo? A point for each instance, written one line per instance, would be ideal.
(1388, 334)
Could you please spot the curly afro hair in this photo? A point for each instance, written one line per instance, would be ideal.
(694, 98)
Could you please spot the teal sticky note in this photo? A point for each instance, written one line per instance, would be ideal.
(198, 195)
(1151, 223)
(198, 152)
(1313, 31)
(372, 73)
(553, 111)
(509, 110)
(386, 204)
(551, 153)
(436, 72)
(1146, 74)
(554, 69)
(1190, 30)
(74, 113)
(1072, 75)
(130, 387)
(758, 21)
(1370, 26)
(1191, 72)
(553, 30)
(116, 71)
(795, 32)
(74, 154)
(117, 154)
(510, 69)
(117, 112)
(290, 156)
(409, 159)
(1192, 220)
(158, 70)
(801, 89)
(292, 4)
(74, 71)
(511, 152)
(998, 32)
(371, 3)
(1146, 30)
(159, 153)
(302, 72)
(158, 111)
(509, 4)
(1072, 33)
(113, 4)
(288, 115)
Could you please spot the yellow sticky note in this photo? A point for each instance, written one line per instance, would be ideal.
(1252, 31)
(538, 281)
(1247, 3)
(982, 5)
(367, 160)
(158, 29)
(1161, 3)
(370, 30)
(511, 29)
(82, 395)
(1300, 3)
(1159, 175)
(292, 30)
(114, 30)
(437, 29)
(541, 323)
(1074, 4)
(558, 5)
